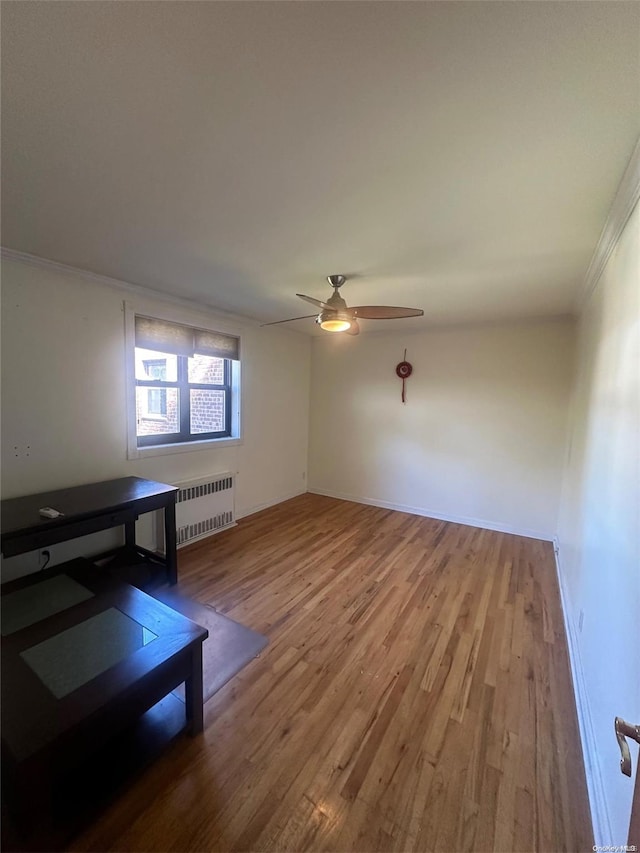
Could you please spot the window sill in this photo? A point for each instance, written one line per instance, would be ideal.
(182, 447)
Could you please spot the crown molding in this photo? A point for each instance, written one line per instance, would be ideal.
(138, 289)
(624, 202)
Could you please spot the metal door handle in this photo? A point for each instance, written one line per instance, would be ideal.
(626, 730)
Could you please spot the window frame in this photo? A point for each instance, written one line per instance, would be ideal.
(162, 444)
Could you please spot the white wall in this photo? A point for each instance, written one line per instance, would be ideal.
(64, 393)
(600, 529)
(480, 439)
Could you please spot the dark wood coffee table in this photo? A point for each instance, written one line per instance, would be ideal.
(82, 656)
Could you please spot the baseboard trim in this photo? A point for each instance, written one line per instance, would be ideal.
(600, 819)
(428, 513)
(259, 507)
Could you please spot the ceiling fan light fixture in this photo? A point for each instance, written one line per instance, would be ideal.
(334, 323)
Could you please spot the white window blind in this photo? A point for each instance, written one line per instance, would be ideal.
(163, 336)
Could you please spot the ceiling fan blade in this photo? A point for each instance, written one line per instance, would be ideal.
(354, 329)
(317, 302)
(290, 320)
(384, 312)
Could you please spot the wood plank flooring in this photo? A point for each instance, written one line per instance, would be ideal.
(415, 695)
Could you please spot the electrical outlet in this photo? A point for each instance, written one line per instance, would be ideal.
(581, 621)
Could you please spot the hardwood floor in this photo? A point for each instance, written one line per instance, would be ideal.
(415, 695)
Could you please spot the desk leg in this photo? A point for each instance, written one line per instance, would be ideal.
(170, 544)
(130, 535)
(193, 692)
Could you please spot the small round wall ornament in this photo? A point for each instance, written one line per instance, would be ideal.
(404, 370)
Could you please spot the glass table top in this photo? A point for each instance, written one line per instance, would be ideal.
(73, 657)
(34, 603)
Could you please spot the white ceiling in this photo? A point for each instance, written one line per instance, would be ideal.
(459, 157)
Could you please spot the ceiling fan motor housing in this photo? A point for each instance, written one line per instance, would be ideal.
(337, 302)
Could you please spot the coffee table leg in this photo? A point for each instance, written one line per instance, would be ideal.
(33, 808)
(193, 692)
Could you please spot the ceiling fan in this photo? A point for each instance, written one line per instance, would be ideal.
(336, 316)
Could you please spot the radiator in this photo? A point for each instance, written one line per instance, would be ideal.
(203, 507)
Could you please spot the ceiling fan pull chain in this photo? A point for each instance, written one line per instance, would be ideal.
(403, 370)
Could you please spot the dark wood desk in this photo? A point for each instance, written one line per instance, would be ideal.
(89, 509)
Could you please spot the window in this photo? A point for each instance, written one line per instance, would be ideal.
(184, 383)
(156, 368)
(157, 401)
